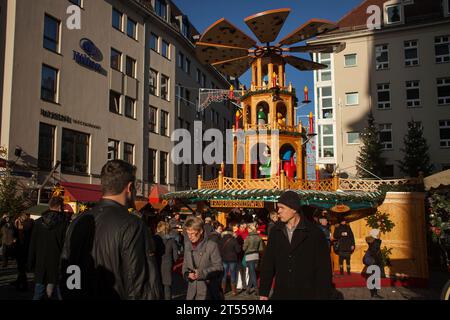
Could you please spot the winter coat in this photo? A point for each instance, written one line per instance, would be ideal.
(253, 244)
(166, 255)
(207, 260)
(112, 248)
(344, 235)
(375, 251)
(301, 268)
(47, 240)
(229, 247)
(215, 236)
(208, 229)
(270, 226)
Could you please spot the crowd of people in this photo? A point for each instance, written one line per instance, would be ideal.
(119, 257)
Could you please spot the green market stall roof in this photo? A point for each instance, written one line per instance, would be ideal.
(323, 199)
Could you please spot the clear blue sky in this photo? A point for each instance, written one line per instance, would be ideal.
(202, 13)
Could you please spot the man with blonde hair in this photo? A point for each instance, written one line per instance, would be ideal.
(202, 265)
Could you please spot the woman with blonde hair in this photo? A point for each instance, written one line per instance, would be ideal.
(166, 255)
(253, 245)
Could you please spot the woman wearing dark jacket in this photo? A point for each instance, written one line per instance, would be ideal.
(374, 253)
(166, 255)
(229, 250)
(47, 242)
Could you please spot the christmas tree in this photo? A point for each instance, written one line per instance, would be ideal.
(415, 158)
(369, 158)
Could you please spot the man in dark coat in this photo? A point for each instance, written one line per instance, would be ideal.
(343, 234)
(112, 248)
(46, 245)
(297, 256)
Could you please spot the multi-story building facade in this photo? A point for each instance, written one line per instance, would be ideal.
(106, 90)
(400, 72)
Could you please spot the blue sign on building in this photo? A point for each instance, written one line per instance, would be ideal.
(92, 53)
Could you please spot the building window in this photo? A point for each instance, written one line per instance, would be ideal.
(131, 28)
(129, 107)
(116, 60)
(325, 74)
(185, 27)
(74, 151)
(161, 9)
(444, 133)
(188, 66)
(326, 144)
(164, 119)
(386, 136)
(187, 96)
(442, 49)
(151, 166)
(152, 119)
(77, 2)
(186, 176)
(49, 84)
(165, 48)
(46, 146)
(382, 56)
(325, 102)
(163, 167)
(114, 102)
(411, 53)
(180, 61)
(51, 33)
(117, 18)
(443, 87)
(153, 82)
(412, 94)
(351, 99)
(394, 14)
(164, 91)
(130, 67)
(113, 149)
(128, 153)
(179, 178)
(353, 138)
(154, 40)
(350, 60)
(384, 96)
(199, 76)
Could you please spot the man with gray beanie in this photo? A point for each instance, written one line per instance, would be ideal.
(297, 256)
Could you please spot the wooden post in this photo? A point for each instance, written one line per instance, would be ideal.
(220, 180)
(270, 74)
(335, 181)
(280, 76)
(199, 182)
(259, 73)
(282, 180)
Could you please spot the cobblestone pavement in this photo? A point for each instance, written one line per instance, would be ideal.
(9, 292)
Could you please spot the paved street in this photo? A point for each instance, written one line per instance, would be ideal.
(8, 292)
